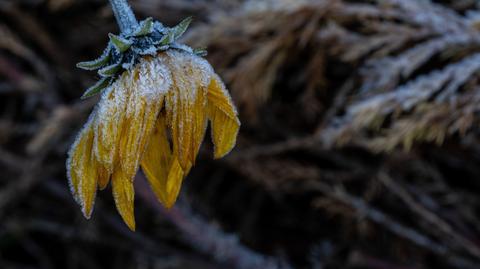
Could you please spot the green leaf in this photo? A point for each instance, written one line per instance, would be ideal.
(180, 29)
(97, 88)
(120, 43)
(110, 70)
(145, 28)
(98, 63)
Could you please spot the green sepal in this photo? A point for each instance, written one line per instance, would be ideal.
(120, 43)
(98, 63)
(174, 33)
(168, 38)
(202, 52)
(110, 71)
(145, 28)
(180, 29)
(97, 88)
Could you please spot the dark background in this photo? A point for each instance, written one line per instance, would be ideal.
(358, 147)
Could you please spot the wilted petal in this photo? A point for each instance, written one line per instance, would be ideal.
(83, 170)
(178, 113)
(103, 176)
(199, 122)
(102, 154)
(147, 84)
(124, 195)
(157, 160)
(111, 115)
(174, 183)
(223, 118)
(186, 104)
(138, 128)
(161, 168)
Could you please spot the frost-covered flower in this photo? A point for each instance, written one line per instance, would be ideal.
(158, 97)
(154, 116)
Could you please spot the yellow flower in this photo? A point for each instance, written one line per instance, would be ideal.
(153, 116)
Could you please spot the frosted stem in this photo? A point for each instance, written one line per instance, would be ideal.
(124, 14)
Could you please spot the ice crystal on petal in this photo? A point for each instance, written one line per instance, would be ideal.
(154, 78)
(196, 71)
(110, 114)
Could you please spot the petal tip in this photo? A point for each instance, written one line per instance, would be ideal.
(87, 212)
(219, 155)
(130, 224)
(168, 204)
(129, 218)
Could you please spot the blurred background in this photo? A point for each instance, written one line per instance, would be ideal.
(359, 145)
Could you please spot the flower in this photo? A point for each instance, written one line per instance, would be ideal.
(153, 116)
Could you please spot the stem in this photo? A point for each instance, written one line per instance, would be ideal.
(124, 14)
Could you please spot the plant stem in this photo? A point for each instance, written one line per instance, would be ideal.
(124, 14)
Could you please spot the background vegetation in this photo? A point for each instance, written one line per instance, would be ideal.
(358, 149)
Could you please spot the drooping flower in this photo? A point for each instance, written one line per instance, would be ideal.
(153, 114)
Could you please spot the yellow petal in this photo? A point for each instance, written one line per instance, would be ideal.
(179, 119)
(137, 129)
(103, 176)
(124, 195)
(141, 116)
(174, 183)
(83, 170)
(186, 105)
(110, 113)
(161, 168)
(104, 159)
(126, 116)
(199, 123)
(223, 118)
(146, 86)
(73, 163)
(157, 159)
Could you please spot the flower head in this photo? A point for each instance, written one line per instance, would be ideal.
(152, 115)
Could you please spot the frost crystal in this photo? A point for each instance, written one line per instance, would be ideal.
(154, 78)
